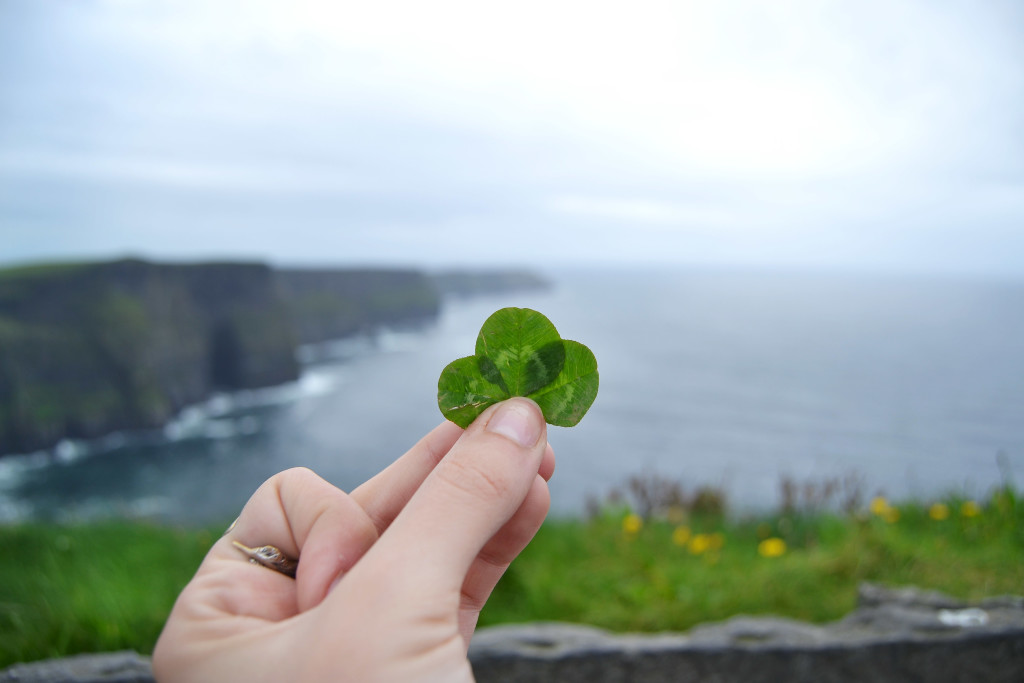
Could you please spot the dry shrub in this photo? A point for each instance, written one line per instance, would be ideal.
(653, 495)
(845, 493)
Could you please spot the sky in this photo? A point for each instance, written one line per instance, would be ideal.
(870, 135)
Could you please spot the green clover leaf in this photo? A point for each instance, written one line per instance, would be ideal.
(520, 353)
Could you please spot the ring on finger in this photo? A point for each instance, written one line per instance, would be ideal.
(271, 557)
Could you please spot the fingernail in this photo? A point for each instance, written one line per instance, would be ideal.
(515, 420)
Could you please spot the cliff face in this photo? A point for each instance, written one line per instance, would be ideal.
(467, 283)
(87, 349)
(330, 304)
(92, 348)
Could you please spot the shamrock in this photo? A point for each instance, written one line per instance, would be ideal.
(520, 353)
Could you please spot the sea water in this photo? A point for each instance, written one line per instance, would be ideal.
(724, 378)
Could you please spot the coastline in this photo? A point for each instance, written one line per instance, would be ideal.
(92, 350)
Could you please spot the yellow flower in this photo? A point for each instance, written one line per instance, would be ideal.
(879, 506)
(771, 547)
(970, 509)
(681, 536)
(716, 541)
(632, 523)
(699, 544)
(939, 512)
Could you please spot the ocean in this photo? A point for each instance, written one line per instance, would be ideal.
(733, 379)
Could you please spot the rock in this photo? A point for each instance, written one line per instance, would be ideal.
(893, 636)
(113, 667)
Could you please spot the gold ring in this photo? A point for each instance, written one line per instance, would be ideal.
(270, 557)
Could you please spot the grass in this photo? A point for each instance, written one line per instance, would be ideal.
(109, 586)
(40, 270)
(99, 587)
(626, 573)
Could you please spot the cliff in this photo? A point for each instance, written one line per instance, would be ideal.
(329, 304)
(86, 349)
(91, 348)
(463, 283)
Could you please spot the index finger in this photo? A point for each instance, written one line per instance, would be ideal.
(465, 500)
(385, 495)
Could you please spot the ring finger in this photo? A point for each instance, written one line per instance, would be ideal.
(308, 519)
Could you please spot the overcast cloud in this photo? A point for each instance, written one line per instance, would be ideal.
(874, 134)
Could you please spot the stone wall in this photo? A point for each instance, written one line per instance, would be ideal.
(893, 636)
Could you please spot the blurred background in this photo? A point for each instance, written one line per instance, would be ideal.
(792, 233)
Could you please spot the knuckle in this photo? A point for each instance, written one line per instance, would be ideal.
(299, 473)
(475, 481)
(361, 526)
(293, 477)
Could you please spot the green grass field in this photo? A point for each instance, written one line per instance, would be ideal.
(108, 586)
(625, 573)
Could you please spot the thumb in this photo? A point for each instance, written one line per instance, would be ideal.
(466, 499)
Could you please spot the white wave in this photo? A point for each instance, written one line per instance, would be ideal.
(318, 382)
(214, 418)
(335, 349)
(312, 382)
(188, 423)
(14, 467)
(69, 450)
(394, 341)
(219, 429)
(219, 404)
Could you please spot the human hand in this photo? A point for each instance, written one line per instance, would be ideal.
(391, 578)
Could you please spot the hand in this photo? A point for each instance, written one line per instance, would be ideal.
(391, 578)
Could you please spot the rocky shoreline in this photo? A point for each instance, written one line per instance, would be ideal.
(894, 635)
